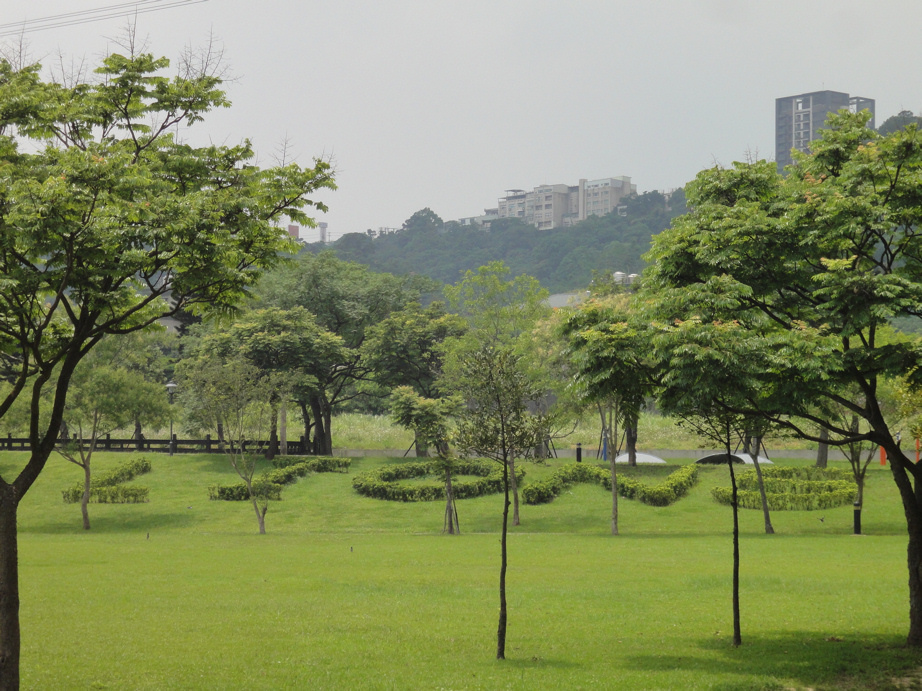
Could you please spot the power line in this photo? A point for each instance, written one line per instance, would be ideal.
(125, 9)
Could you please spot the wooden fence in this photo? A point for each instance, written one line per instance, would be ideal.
(206, 445)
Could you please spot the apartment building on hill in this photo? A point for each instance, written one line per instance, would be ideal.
(561, 206)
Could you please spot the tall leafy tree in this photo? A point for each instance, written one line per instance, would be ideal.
(498, 423)
(108, 222)
(346, 299)
(501, 310)
(102, 399)
(609, 350)
(812, 267)
(287, 345)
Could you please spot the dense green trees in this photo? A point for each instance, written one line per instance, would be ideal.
(803, 274)
(104, 213)
(562, 259)
(345, 299)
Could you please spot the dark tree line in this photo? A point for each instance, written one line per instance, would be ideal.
(562, 259)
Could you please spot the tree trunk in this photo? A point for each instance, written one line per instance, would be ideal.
(221, 436)
(912, 501)
(515, 492)
(85, 499)
(283, 428)
(501, 628)
(273, 449)
(138, 432)
(9, 589)
(822, 451)
(308, 426)
(737, 635)
(260, 517)
(422, 451)
(318, 414)
(630, 435)
(450, 524)
(755, 446)
(612, 436)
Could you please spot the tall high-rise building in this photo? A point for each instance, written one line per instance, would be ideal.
(798, 119)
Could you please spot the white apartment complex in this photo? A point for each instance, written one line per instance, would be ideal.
(561, 206)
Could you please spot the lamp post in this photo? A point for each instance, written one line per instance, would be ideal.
(171, 387)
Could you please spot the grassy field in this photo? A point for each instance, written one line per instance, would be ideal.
(347, 592)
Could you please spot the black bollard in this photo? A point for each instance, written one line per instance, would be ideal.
(857, 518)
(579, 452)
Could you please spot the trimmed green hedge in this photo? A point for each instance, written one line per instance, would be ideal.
(383, 483)
(318, 464)
(107, 487)
(287, 470)
(673, 488)
(792, 489)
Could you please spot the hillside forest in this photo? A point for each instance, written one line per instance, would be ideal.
(563, 259)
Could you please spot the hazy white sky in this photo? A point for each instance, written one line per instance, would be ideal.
(447, 103)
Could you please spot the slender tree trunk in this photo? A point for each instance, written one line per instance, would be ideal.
(422, 451)
(450, 524)
(515, 492)
(822, 451)
(327, 430)
(283, 428)
(273, 449)
(737, 635)
(612, 453)
(221, 436)
(630, 434)
(260, 516)
(755, 447)
(9, 589)
(308, 426)
(317, 447)
(138, 432)
(912, 508)
(85, 499)
(501, 628)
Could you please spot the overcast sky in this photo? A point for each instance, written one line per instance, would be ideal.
(446, 104)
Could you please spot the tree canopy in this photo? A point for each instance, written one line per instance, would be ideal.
(110, 221)
(793, 281)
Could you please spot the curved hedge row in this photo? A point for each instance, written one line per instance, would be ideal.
(287, 470)
(673, 488)
(107, 487)
(792, 489)
(383, 483)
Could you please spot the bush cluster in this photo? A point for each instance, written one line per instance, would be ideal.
(318, 464)
(287, 469)
(792, 489)
(383, 483)
(673, 488)
(108, 488)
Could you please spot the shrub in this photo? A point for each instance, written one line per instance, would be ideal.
(287, 470)
(239, 492)
(673, 488)
(106, 488)
(792, 489)
(383, 483)
(318, 464)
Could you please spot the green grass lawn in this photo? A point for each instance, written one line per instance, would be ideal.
(348, 592)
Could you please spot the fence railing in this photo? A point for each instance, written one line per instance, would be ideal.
(108, 443)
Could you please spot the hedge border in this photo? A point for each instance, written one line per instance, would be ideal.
(108, 488)
(669, 491)
(792, 489)
(383, 483)
(287, 470)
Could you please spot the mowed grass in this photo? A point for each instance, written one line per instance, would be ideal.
(347, 592)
